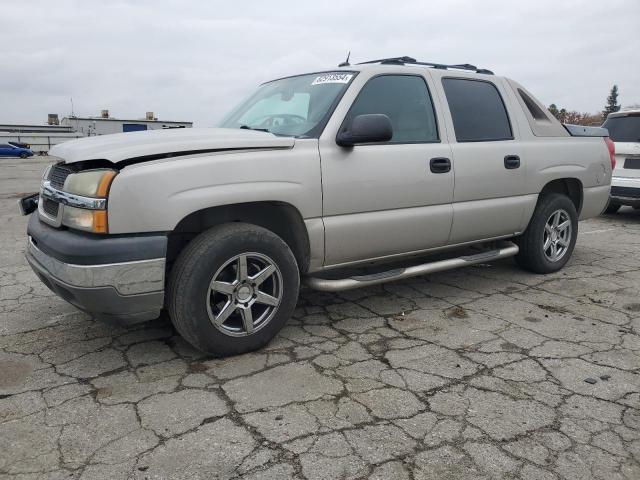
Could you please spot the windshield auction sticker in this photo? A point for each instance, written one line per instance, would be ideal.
(333, 78)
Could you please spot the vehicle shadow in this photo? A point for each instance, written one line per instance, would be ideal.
(625, 214)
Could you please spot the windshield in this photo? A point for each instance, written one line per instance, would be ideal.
(624, 129)
(294, 106)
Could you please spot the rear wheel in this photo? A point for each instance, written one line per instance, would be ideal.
(612, 208)
(232, 289)
(550, 238)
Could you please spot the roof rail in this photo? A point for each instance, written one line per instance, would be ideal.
(412, 61)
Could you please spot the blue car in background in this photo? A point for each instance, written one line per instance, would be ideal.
(8, 150)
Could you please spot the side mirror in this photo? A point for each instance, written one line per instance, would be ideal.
(373, 127)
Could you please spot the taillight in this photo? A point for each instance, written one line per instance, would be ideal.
(612, 151)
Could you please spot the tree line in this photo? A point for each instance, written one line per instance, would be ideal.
(580, 118)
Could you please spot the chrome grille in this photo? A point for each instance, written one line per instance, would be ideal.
(50, 207)
(58, 175)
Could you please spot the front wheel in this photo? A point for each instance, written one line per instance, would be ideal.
(23, 155)
(232, 289)
(550, 238)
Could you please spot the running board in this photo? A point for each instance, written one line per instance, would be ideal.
(329, 285)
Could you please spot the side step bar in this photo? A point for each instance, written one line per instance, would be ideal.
(329, 285)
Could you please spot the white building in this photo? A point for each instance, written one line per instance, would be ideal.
(105, 124)
(41, 138)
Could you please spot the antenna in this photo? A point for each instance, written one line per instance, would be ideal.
(72, 107)
(346, 62)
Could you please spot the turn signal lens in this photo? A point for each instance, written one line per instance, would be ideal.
(100, 221)
(105, 183)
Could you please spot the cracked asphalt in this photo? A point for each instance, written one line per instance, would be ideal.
(487, 372)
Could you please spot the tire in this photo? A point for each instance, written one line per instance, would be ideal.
(23, 155)
(532, 255)
(231, 317)
(612, 208)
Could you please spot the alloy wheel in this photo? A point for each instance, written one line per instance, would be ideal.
(244, 294)
(557, 235)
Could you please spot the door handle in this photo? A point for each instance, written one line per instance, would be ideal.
(511, 162)
(440, 165)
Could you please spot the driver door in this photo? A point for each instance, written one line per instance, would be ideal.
(384, 199)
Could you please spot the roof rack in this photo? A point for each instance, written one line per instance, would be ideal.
(412, 61)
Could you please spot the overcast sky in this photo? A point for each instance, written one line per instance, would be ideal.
(193, 60)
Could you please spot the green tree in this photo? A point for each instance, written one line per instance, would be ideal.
(612, 103)
(562, 115)
(553, 108)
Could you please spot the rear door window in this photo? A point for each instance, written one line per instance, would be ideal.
(477, 110)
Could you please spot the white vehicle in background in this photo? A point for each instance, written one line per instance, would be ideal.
(624, 130)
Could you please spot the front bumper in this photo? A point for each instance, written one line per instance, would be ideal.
(77, 268)
(625, 191)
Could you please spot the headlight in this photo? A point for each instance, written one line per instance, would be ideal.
(82, 219)
(90, 183)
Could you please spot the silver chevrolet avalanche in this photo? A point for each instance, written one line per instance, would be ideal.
(343, 178)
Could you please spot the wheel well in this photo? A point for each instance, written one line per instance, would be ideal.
(281, 218)
(571, 187)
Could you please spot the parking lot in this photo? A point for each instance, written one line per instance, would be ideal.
(487, 372)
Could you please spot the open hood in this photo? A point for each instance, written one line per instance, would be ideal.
(171, 142)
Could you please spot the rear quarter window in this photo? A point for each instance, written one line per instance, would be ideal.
(477, 110)
(536, 112)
